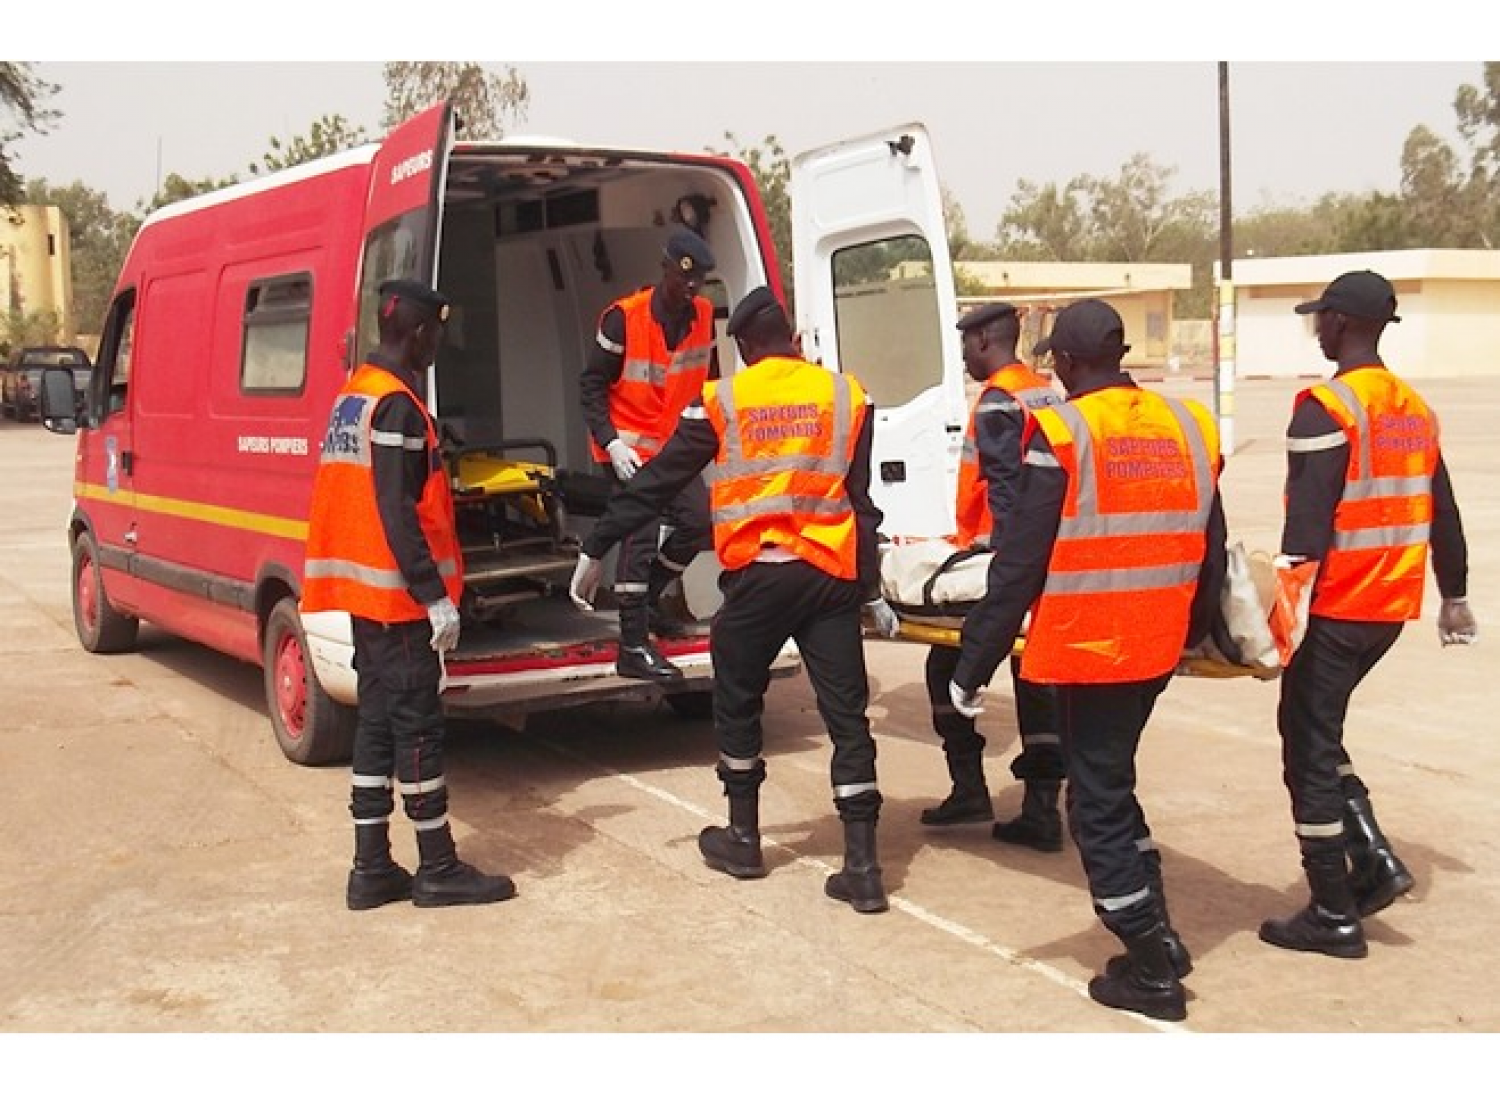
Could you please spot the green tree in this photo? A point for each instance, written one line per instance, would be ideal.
(175, 188)
(482, 100)
(328, 135)
(23, 97)
(1044, 222)
(772, 170)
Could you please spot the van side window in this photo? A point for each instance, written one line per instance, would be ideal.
(273, 358)
(890, 334)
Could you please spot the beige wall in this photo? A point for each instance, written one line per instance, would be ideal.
(36, 264)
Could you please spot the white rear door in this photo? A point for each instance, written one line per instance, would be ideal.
(874, 296)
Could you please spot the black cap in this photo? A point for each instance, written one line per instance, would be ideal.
(415, 293)
(754, 305)
(1357, 294)
(983, 315)
(689, 252)
(1086, 328)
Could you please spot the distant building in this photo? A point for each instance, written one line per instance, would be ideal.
(1448, 300)
(36, 265)
(1143, 293)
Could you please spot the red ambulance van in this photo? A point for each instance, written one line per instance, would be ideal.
(238, 313)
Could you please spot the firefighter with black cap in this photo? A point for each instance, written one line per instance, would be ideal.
(1367, 491)
(1116, 547)
(988, 476)
(382, 546)
(787, 447)
(651, 354)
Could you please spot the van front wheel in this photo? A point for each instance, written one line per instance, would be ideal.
(101, 629)
(310, 726)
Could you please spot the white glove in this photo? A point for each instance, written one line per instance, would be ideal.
(1456, 623)
(884, 619)
(624, 459)
(444, 619)
(585, 583)
(965, 702)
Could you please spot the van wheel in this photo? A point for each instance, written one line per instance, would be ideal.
(100, 627)
(694, 705)
(310, 727)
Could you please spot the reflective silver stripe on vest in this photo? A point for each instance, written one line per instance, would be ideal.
(736, 465)
(780, 505)
(1124, 901)
(1089, 523)
(1368, 488)
(338, 569)
(689, 359)
(643, 370)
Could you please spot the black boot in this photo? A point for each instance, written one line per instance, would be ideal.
(859, 882)
(1177, 952)
(735, 850)
(376, 878)
(661, 619)
(638, 658)
(444, 879)
(1040, 825)
(1146, 982)
(969, 802)
(1329, 925)
(1376, 876)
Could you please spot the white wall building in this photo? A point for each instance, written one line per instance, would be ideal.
(1448, 300)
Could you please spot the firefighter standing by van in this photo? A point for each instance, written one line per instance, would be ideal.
(1117, 548)
(988, 476)
(787, 444)
(652, 353)
(382, 545)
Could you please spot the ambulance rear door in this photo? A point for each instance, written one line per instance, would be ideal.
(874, 296)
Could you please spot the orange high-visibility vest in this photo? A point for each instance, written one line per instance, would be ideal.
(349, 565)
(1030, 391)
(1142, 472)
(656, 384)
(787, 432)
(1376, 566)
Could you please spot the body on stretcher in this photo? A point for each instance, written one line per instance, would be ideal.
(932, 584)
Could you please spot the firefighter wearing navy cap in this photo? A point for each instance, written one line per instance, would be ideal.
(1366, 491)
(652, 353)
(988, 477)
(381, 545)
(1116, 548)
(787, 447)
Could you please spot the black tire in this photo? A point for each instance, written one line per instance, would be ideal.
(310, 727)
(101, 629)
(697, 706)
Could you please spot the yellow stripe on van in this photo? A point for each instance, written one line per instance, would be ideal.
(236, 519)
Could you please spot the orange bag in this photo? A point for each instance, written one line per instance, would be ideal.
(1288, 619)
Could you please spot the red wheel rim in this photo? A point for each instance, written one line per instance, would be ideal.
(290, 669)
(88, 593)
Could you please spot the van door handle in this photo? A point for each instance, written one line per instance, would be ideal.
(127, 461)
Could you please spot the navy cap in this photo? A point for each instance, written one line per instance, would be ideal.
(1357, 294)
(1087, 328)
(416, 293)
(689, 253)
(753, 306)
(983, 315)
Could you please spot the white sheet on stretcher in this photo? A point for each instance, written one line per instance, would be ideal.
(932, 583)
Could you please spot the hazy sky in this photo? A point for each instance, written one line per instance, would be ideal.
(1299, 127)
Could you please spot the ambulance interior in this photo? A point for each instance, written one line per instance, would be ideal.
(534, 245)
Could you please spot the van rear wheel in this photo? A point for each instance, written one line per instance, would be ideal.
(101, 629)
(310, 726)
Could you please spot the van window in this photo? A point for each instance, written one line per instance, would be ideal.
(273, 359)
(392, 251)
(889, 330)
(115, 351)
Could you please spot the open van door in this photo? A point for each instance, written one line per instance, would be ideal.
(403, 213)
(874, 296)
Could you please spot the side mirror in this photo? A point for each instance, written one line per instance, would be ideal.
(58, 401)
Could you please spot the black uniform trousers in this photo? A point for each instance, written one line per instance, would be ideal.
(1041, 754)
(686, 514)
(400, 727)
(765, 603)
(1101, 728)
(1335, 655)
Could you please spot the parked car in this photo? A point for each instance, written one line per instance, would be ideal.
(21, 378)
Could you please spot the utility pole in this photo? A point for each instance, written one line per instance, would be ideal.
(1224, 367)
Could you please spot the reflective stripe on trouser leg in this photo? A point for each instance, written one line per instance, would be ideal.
(740, 776)
(371, 801)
